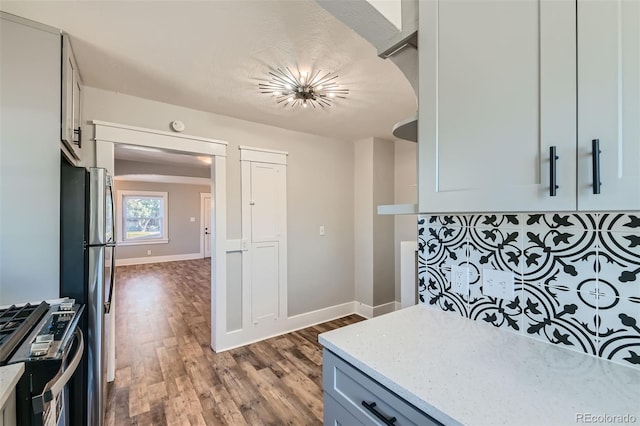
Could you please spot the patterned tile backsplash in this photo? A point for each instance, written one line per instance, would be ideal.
(576, 276)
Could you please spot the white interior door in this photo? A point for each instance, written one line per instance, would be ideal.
(264, 240)
(205, 228)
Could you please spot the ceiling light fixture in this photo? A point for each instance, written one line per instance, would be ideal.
(289, 89)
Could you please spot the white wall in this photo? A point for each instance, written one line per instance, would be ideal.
(363, 220)
(374, 250)
(320, 192)
(406, 192)
(383, 230)
(183, 204)
(128, 167)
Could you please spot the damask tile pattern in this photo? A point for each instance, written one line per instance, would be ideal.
(619, 331)
(562, 316)
(576, 276)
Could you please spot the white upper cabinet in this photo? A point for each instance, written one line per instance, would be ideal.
(609, 103)
(71, 118)
(497, 91)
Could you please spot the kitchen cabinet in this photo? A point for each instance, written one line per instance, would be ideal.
(609, 103)
(30, 162)
(352, 397)
(492, 106)
(497, 90)
(71, 118)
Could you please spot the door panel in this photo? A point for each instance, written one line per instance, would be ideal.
(265, 202)
(497, 89)
(264, 239)
(609, 103)
(95, 337)
(265, 281)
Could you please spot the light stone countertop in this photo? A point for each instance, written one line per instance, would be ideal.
(462, 371)
(9, 376)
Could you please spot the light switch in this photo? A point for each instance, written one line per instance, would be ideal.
(322, 230)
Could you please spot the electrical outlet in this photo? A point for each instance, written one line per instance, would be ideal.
(321, 229)
(459, 280)
(192, 219)
(498, 284)
(148, 252)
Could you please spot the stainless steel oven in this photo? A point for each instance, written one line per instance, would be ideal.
(51, 346)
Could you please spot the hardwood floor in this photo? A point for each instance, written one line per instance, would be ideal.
(167, 373)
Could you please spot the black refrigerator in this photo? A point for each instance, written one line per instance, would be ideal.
(87, 268)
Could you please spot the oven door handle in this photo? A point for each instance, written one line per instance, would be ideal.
(55, 385)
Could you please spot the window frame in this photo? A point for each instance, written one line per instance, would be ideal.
(121, 194)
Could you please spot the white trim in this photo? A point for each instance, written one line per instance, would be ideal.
(156, 259)
(141, 242)
(253, 148)
(204, 195)
(263, 155)
(374, 311)
(408, 292)
(184, 180)
(236, 245)
(109, 134)
(98, 123)
(172, 142)
(120, 194)
(219, 255)
(239, 338)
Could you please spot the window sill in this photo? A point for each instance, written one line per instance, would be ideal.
(140, 243)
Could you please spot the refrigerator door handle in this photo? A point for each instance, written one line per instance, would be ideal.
(107, 304)
(113, 214)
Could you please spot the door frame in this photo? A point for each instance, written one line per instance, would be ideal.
(203, 195)
(106, 136)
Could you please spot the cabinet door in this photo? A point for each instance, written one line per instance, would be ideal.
(70, 99)
(77, 110)
(497, 90)
(609, 103)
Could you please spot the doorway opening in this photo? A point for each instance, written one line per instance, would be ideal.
(111, 138)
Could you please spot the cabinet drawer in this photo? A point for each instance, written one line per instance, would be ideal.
(350, 388)
(336, 415)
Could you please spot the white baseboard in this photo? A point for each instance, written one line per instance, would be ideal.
(373, 311)
(156, 259)
(237, 338)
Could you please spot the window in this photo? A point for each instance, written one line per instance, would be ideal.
(142, 217)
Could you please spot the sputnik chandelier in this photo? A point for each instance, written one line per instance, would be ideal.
(291, 90)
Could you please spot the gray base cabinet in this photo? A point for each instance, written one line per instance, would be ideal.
(353, 398)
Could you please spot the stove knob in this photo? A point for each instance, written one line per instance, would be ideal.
(39, 349)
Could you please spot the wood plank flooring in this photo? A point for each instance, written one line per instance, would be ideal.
(167, 373)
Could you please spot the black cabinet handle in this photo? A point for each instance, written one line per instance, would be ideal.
(371, 407)
(78, 132)
(553, 175)
(595, 153)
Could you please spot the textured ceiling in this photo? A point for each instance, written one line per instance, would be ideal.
(210, 55)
